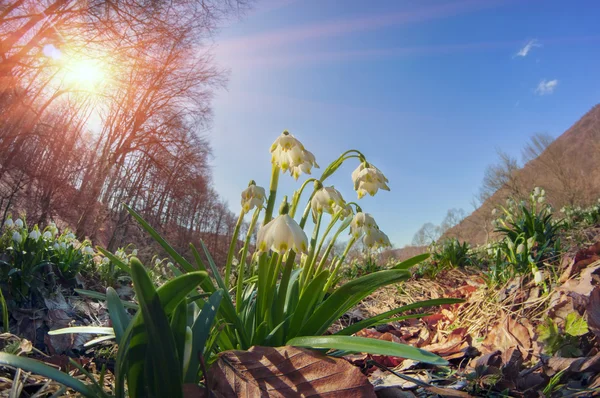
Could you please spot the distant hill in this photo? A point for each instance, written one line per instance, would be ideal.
(569, 171)
(403, 254)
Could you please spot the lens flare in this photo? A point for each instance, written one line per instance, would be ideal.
(85, 74)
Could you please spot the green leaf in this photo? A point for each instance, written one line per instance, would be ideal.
(365, 323)
(83, 329)
(33, 366)
(228, 309)
(575, 325)
(178, 327)
(99, 340)
(200, 332)
(131, 357)
(406, 264)
(172, 252)
(118, 316)
(347, 296)
(175, 290)
(163, 354)
(307, 301)
(402, 318)
(370, 346)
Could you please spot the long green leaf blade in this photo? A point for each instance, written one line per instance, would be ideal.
(102, 296)
(118, 316)
(345, 297)
(406, 264)
(165, 245)
(39, 368)
(163, 352)
(365, 323)
(200, 332)
(371, 346)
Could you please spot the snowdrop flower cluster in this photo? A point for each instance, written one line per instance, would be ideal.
(289, 154)
(328, 200)
(253, 196)
(35, 234)
(368, 179)
(281, 235)
(17, 237)
(364, 224)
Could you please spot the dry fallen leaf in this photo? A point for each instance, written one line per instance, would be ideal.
(593, 312)
(286, 372)
(509, 333)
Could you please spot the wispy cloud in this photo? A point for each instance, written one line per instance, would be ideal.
(340, 27)
(528, 47)
(546, 87)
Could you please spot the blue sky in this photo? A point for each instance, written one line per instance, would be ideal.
(427, 90)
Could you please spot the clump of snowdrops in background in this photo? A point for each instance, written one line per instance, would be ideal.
(36, 257)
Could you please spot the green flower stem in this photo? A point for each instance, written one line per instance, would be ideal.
(297, 195)
(308, 264)
(272, 291)
(242, 263)
(263, 284)
(232, 246)
(328, 249)
(335, 271)
(334, 219)
(333, 166)
(272, 194)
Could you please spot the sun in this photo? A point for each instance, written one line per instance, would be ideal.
(84, 73)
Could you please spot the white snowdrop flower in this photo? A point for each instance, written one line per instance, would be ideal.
(328, 200)
(537, 191)
(346, 212)
(253, 196)
(362, 223)
(538, 276)
(541, 199)
(520, 248)
(56, 246)
(376, 239)
(105, 260)
(35, 235)
(9, 223)
(289, 154)
(530, 242)
(494, 211)
(368, 179)
(281, 235)
(70, 236)
(88, 250)
(47, 235)
(17, 237)
(19, 223)
(63, 245)
(134, 252)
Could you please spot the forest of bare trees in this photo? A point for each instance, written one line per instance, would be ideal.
(104, 102)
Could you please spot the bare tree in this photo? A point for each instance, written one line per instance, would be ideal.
(503, 174)
(426, 235)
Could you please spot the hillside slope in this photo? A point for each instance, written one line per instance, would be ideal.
(569, 171)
